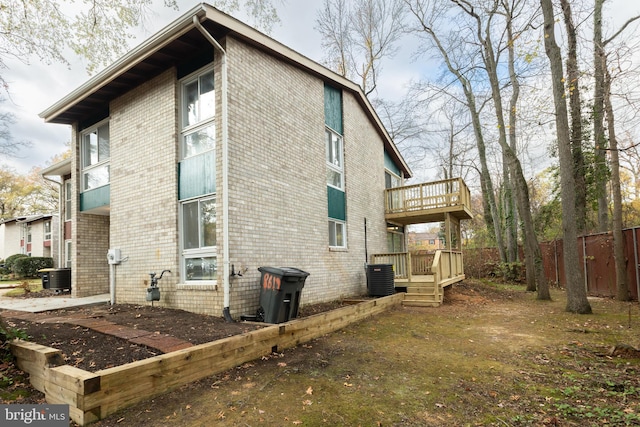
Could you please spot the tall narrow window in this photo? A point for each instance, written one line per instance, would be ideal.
(67, 253)
(334, 159)
(67, 200)
(197, 178)
(47, 230)
(198, 112)
(95, 157)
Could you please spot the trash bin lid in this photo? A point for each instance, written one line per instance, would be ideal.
(284, 271)
(46, 270)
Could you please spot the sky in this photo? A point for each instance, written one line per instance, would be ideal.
(34, 87)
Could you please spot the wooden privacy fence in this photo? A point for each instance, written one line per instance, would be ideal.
(597, 261)
(94, 395)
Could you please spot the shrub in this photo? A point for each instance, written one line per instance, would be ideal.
(9, 263)
(29, 266)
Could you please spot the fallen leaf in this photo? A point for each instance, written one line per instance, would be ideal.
(282, 364)
(310, 390)
(306, 402)
(297, 422)
(348, 385)
(188, 407)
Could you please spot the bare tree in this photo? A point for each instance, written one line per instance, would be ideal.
(358, 35)
(491, 57)
(577, 301)
(425, 14)
(600, 139)
(573, 84)
(622, 287)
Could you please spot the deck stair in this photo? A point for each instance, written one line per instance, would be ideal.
(424, 277)
(423, 291)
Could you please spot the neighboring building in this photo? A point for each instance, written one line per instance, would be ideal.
(422, 241)
(35, 235)
(213, 164)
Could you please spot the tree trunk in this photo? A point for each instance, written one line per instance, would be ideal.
(573, 74)
(533, 256)
(512, 215)
(577, 301)
(601, 170)
(622, 287)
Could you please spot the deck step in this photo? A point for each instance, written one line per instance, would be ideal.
(416, 303)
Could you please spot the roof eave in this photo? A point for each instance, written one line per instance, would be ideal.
(138, 54)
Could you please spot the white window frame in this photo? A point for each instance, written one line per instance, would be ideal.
(334, 164)
(67, 199)
(333, 226)
(202, 124)
(100, 164)
(67, 253)
(201, 251)
(47, 233)
(396, 181)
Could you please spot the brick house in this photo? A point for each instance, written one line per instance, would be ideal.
(211, 150)
(34, 235)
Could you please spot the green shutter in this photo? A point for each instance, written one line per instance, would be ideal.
(337, 205)
(95, 198)
(333, 108)
(197, 175)
(390, 164)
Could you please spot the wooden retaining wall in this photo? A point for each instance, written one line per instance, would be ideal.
(94, 395)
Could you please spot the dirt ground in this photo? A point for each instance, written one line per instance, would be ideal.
(491, 355)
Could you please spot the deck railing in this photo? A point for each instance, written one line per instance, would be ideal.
(446, 265)
(431, 195)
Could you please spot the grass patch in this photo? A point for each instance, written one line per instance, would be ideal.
(490, 356)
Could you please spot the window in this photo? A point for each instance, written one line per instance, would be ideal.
(28, 233)
(391, 180)
(95, 157)
(198, 143)
(47, 230)
(199, 239)
(198, 112)
(67, 200)
(334, 159)
(337, 235)
(67, 253)
(395, 238)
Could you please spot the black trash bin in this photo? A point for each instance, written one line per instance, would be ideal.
(380, 280)
(280, 289)
(58, 279)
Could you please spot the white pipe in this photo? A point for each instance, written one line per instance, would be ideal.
(225, 168)
(60, 218)
(112, 283)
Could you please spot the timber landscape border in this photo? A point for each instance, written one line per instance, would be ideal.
(92, 396)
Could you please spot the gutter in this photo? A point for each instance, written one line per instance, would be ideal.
(225, 170)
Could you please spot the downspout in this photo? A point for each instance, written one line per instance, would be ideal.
(60, 217)
(225, 170)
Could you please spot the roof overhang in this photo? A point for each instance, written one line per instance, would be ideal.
(61, 169)
(179, 40)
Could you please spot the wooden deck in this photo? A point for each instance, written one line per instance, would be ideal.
(425, 281)
(428, 202)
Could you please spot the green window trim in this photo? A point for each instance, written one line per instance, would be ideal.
(336, 204)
